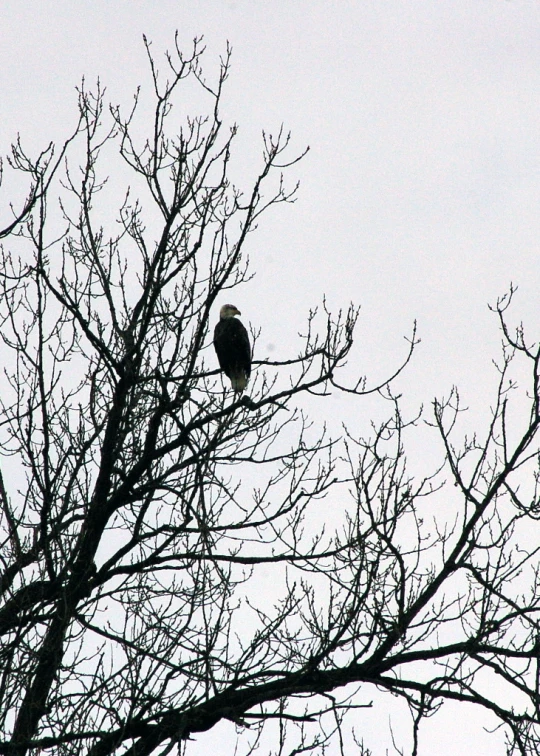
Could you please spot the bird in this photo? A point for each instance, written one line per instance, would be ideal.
(231, 342)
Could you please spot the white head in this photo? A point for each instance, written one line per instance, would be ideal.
(228, 311)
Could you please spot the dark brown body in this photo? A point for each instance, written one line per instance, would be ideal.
(231, 342)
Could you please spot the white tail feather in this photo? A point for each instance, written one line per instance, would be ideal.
(238, 382)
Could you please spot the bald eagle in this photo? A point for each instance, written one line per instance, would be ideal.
(231, 342)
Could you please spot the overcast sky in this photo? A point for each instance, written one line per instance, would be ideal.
(420, 194)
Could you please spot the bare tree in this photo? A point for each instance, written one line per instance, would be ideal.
(165, 563)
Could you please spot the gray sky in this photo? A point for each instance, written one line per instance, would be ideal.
(420, 195)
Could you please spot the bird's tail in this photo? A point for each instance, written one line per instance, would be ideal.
(238, 382)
